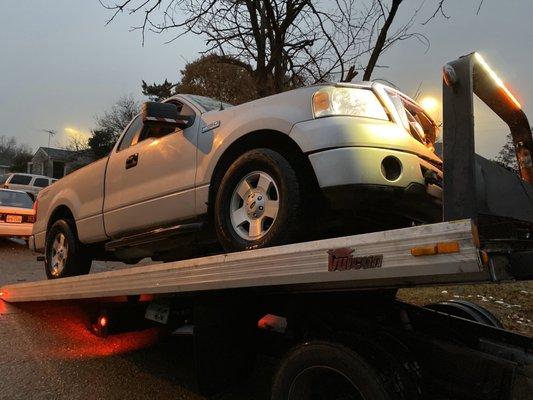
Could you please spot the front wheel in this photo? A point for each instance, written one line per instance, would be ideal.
(258, 202)
(64, 254)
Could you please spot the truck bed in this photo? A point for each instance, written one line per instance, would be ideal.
(379, 260)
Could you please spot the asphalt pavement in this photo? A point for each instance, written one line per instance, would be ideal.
(47, 352)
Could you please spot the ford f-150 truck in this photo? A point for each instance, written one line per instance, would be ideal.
(191, 172)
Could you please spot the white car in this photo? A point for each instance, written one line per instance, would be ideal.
(30, 183)
(16, 213)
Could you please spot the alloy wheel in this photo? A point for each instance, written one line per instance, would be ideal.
(254, 205)
(59, 254)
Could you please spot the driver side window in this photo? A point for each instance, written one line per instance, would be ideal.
(133, 129)
(158, 131)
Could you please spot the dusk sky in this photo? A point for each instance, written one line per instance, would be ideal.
(61, 65)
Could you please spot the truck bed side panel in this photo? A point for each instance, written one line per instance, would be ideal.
(83, 193)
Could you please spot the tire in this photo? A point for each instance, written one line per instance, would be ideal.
(323, 370)
(467, 310)
(240, 221)
(72, 259)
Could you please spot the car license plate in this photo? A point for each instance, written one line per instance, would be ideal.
(14, 219)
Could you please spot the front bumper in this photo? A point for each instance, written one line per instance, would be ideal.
(355, 178)
(18, 230)
(363, 166)
(37, 242)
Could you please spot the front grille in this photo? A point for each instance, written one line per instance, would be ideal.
(430, 176)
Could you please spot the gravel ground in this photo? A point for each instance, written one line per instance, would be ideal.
(46, 352)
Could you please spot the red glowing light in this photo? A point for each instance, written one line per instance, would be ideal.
(102, 321)
(68, 338)
(272, 323)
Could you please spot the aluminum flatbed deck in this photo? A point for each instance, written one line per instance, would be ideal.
(388, 259)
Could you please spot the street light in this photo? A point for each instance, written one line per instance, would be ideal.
(430, 104)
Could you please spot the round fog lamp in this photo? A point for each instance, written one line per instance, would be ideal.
(391, 168)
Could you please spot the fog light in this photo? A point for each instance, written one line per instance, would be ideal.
(391, 168)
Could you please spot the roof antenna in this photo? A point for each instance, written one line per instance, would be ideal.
(51, 133)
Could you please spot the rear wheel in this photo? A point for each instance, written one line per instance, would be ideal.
(64, 254)
(258, 203)
(323, 370)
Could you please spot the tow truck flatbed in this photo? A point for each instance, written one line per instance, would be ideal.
(380, 260)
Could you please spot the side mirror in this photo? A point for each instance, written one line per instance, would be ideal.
(163, 114)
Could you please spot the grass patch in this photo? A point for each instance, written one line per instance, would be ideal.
(512, 303)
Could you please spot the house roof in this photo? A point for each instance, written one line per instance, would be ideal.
(58, 154)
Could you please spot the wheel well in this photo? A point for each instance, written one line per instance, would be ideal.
(270, 139)
(61, 212)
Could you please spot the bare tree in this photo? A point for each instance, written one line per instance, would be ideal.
(10, 148)
(110, 125)
(16, 154)
(283, 43)
(76, 142)
(119, 115)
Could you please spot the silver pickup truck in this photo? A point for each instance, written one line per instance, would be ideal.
(191, 174)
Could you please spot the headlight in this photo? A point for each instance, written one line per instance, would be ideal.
(347, 101)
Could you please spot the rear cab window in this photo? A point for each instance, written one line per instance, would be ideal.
(20, 179)
(3, 178)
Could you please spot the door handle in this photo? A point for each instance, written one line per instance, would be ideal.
(131, 161)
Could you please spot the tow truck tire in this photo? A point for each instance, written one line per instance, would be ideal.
(467, 310)
(64, 254)
(282, 190)
(324, 370)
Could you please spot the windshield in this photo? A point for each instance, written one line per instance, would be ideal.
(10, 198)
(208, 103)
